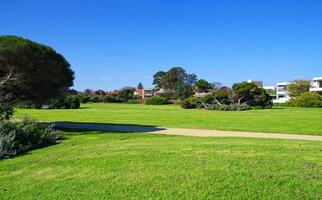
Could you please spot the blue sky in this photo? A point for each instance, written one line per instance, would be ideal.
(111, 44)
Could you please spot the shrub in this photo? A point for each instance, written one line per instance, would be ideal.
(111, 99)
(19, 137)
(69, 102)
(133, 101)
(156, 101)
(95, 99)
(5, 112)
(232, 107)
(73, 102)
(188, 103)
(307, 99)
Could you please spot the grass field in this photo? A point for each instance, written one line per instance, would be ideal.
(278, 120)
(95, 165)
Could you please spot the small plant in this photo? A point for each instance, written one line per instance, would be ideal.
(156, 101)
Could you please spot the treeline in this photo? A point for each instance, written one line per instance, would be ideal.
(242, 96)
(125, 95)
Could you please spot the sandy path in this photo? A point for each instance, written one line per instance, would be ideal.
(182, 131)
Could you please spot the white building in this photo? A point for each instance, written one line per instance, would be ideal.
(316, 85)
(281, 93)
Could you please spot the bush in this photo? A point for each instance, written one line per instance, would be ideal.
(307, 99)
(232, 107)
(133, 101)
(95, 99)
(188, 103)
(5, 112)
(156, 101)
(111, 99)
(73, 102)
(19, 137)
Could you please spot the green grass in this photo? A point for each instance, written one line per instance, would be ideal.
(278, 120)
(95, 165)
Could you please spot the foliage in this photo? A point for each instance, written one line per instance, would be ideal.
(126, 94)
(250, 94)
(5, 112)
(203, 86)
(307, 99)
(133, 101)
(231, 107)
(99, 92)
(298, 87)
(19, 137)
(188, 103)
(140, 86)
(156, 101)
(73, 101)
(270, 92)
(111, 99)
(31, 71)
(176, 80)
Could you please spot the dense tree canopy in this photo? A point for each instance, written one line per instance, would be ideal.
(31, 71)
(176, 80)
(203, 86)
(250, 94)
(298, 87)
(140, 86)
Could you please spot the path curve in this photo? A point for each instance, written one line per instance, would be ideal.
(181, 131)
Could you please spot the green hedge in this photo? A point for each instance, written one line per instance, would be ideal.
(307, 99)
(156, 101)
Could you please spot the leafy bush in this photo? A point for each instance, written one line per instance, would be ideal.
(5, 112)
(73, 102)
(95, 99)
(112, 99)
(188, 103)
(19, 137)
(232, 107)
(133, 101)
(156, 101)
(307, 99)
(69, 102)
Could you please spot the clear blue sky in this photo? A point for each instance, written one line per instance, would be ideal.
(111, 44)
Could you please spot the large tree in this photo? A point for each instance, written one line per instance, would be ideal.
(30, 71)
(298, 87)
(176, 80)
(249, 93)
(140, 86)
(203, 86)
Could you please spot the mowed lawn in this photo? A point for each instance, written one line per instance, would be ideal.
(276, 120)
(98, 165)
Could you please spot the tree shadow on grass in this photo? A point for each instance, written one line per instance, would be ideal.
(106, 127)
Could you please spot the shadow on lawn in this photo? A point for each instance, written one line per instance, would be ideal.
(125, 128)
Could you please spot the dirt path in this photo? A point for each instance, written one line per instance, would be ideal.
(182, 131)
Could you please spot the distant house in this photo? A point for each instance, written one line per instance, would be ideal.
(147, 93)
(160, 92)
(316, 85)
(282, 95)
(138, 92)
